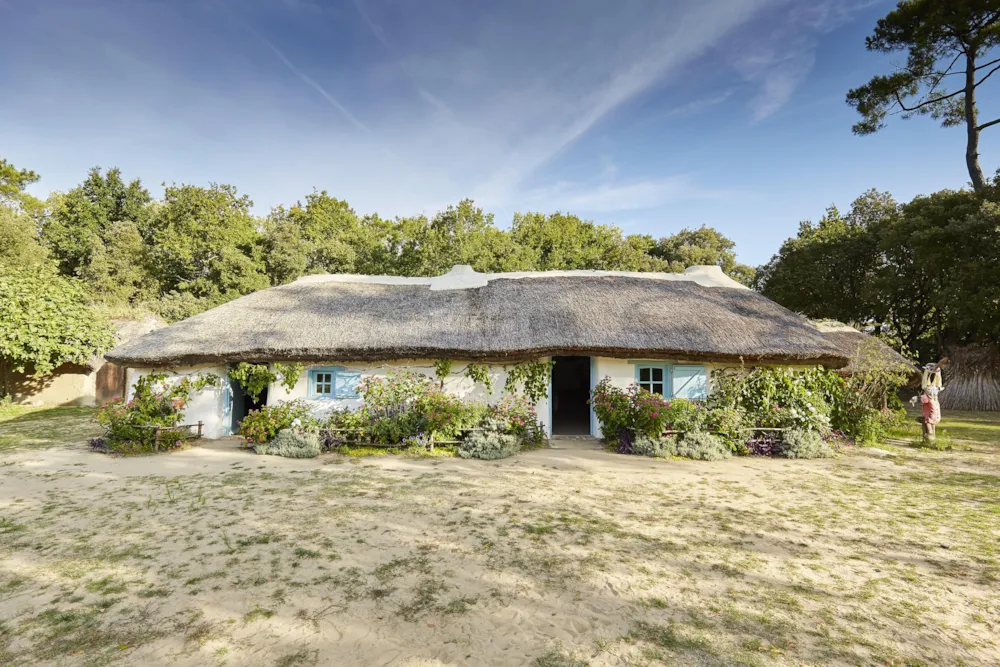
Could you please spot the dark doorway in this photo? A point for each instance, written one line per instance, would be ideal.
(243, 404)
(570, 393)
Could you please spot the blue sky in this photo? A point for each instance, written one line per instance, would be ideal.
(652, 115)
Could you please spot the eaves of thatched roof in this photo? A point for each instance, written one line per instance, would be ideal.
(862, 350)
(464, 315)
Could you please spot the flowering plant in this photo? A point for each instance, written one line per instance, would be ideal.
(154, 402)
(516, 414)
(260, 426)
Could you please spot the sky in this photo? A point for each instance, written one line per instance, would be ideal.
(653, 115)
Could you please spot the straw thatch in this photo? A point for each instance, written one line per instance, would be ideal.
(972, 379)
(498, 317)
(864, 351)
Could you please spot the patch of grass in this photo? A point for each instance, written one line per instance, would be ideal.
(256, 613)
(554, 658)
(25, 427)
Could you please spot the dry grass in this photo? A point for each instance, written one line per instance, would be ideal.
(556, 557)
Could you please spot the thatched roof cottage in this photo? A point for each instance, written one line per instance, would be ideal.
(665, 331)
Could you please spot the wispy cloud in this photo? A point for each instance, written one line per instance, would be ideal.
(779, 54)
(604, 197)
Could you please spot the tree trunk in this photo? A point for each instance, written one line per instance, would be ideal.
(971, 122)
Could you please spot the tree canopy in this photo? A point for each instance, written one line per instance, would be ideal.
(949, 45)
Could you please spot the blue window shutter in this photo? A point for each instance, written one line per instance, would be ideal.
(347, 384)
(690, 382)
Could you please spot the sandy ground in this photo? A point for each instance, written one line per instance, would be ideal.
(574, 556)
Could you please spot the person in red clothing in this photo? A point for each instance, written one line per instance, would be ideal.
(931, 385)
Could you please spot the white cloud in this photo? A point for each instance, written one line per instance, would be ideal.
(590, 197)
(780, 52)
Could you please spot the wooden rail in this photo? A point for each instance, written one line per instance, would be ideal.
(158, 432)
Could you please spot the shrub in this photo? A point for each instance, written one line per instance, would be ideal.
(489, 444)
(262, 425)
(650, 413)
(154, 403)
(516, 414)
(802, 444)
(394, 393)
(446, 415)
(703, 446)
(339, 428)
(392, 429)
(728, 424)
(685, 415)
(291, 443)
(612, 406)
(661, 447)
(778, 397)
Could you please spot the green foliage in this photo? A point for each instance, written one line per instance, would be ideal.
(446, 415)
(204, 241)
(13, 181)
(393, 393)
(531, 378)
(489, 444)
(253, 378)
(659, 447)
(684, 415)
(291, 443)
(260, 426)
(703, 446)
(442, 369)
(289, 374)
(922, 276)
(517, 415)
(480, 374)
(702, 246)
(633, 409)
(728, 424)
(94, 231)
(777, 397)
(156, 400)
(46, 322)
(19, 246)
(802, 444)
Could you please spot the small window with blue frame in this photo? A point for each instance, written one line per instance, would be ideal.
(335, 382)
(651, 378)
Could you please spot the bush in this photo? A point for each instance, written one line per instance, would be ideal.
(260, 426)
(661, 447)
(685, 415)
(154, 403)
(291, 443)
(728, 424)
(778, 397)
(703, 446)
(515, 414)
(339, 428)
(446, 415)
(489, 444)
(612, 406)
(802, 444)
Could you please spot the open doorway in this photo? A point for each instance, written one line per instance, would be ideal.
(241, 404)
(570, 393)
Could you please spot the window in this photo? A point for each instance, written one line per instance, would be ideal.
(690, 382)
(651, 379)
(333, 382)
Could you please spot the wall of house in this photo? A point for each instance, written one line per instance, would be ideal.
(456, 383)
(207, 406)
(67, 385)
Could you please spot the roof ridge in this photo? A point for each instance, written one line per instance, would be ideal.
(463, 276)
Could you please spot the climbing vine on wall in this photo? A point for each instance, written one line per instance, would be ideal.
(255, 378)
(289, 374)
(442, 369)
(480, 374)
(533, 376)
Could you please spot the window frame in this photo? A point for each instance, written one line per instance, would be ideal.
(334, 394)
(668, 368)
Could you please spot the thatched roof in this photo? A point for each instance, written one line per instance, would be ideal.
(464, 315)
(863, 350)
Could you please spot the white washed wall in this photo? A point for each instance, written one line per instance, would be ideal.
(207, 405)
(456, 384)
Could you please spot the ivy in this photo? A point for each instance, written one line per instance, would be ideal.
(46, 322)
(480, 374)
(289, 373)
(253, 378)
(534, 378)
(442, 369)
